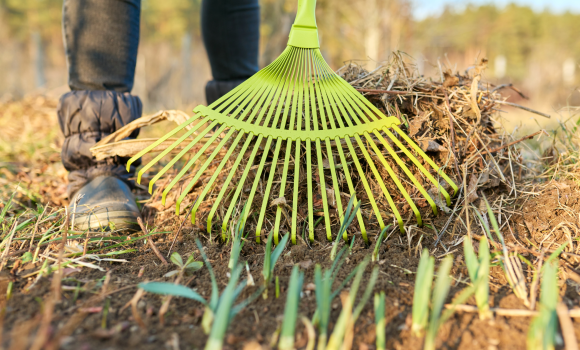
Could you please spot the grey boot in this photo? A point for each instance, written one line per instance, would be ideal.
(106, 203)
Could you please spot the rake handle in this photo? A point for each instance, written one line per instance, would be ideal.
(304, 32)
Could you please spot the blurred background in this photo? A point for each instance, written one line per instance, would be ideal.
(532, 44)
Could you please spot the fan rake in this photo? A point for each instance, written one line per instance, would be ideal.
(298, 102)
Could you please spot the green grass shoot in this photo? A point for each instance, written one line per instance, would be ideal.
(544, 327)
(380, 321)
(184, 268)
(270, 259)
(440, 291)
(423, 283)
(349, 215)
(379, 242)
(478, 268)
(344, 327)
(291, 310)
(324, 295)
(511, 267)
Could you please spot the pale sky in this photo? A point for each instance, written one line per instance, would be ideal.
(423, 8)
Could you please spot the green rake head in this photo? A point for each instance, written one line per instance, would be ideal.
(294, 108)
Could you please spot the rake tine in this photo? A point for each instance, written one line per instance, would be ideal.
(162, 139)
(172, 162)
(266, 198)
(241, 183)
(282, 189)
(200, 172)
(405, 169)
(376, 174)
(227, 182)
(193, 159)
(217, 172)
(419, 165)
(238, 89)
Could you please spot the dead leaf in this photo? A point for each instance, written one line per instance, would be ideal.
(472, 189)
(305, 264)
(450, 79)
(431, 146)
(279, 201)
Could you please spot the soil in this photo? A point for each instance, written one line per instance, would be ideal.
(78, 322)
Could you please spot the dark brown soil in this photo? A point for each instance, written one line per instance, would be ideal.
(77, 322)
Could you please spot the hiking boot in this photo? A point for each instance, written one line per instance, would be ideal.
(106, 203)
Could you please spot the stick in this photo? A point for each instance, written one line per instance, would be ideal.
(511, 86)
(514, 142)
(181, 226)
(521, 107)
(150, 242)
(574, 313)
(567, 327)
(378, 92)
(36, 228)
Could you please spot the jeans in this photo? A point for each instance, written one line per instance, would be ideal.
(101, 41)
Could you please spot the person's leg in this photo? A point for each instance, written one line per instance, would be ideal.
(101, 40)
(231, 34)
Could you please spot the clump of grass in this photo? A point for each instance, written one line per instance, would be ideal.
(324, 295)
(440, 291)
(544, 327)
(219, 310)
(427, 316)
(423, 283)
(380, 321)
(478, 268)
(291, 310)
(511, 265)
(343, 332)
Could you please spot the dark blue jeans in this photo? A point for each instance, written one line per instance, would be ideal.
(101, 40)
(102, 37)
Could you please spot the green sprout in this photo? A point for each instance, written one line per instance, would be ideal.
(380, 321)
(478, 269)
(219, 310)
(442, 285)
(270, 259)
(378, 243)
(423, 283)
(440, 292)
(324, 295)
(544, 327)
(349, 215)
(344, 327)
(291, 310)
(186, 268)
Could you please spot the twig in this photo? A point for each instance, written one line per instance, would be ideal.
(511, 86)
(452, 131)
(150, 242)
(134, 309)
(181, 226)
(514, 142)
(77, 199)
(378, 92)
(574, 313)
(36, 227)
(567, 327)
(450, 217)
(520, 107)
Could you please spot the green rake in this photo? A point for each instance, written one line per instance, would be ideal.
(297, 101)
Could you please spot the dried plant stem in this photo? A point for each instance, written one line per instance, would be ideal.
(573, 313)
(567, 327)
(150, 242)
